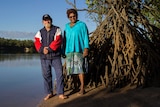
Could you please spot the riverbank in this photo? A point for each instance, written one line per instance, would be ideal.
(101, 96)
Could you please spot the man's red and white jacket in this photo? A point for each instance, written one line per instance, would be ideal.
(51, 39)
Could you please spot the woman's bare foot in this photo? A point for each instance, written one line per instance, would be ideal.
(81, 92)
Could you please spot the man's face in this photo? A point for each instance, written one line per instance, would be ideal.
(47, 23)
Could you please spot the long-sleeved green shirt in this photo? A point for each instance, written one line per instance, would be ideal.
(77, 37)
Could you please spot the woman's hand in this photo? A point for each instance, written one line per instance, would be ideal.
(85, 52)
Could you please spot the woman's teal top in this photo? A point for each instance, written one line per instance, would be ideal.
(77, 37)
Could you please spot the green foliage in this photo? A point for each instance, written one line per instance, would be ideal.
(97, 10)
(152, 11)
(16, 46)
(149, 8)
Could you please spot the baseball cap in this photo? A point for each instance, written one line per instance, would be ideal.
(46, 16)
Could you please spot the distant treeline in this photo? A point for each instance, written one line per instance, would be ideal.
(16, 46)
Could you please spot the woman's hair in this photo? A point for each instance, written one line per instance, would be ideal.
(69, 11)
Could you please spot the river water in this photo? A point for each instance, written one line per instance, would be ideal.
(21, 82)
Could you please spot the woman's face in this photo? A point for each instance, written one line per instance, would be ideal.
(72, 17)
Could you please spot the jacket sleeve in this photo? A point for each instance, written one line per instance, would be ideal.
(56, 44)
(37, 42)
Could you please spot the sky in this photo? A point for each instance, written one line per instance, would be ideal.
(26, 15)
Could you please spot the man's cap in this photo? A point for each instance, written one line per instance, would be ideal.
(46, 16)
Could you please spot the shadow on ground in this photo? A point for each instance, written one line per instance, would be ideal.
(146, 97)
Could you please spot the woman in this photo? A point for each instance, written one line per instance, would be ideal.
(76, 46)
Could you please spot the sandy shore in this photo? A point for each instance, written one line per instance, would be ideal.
(101, 97)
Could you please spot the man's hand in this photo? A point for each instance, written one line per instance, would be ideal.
(45, 50)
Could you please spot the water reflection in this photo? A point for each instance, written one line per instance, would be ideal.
(21, 82)
(5, 57)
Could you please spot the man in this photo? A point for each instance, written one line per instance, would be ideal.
(48, 44)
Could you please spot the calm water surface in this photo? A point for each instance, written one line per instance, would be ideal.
(21, 82)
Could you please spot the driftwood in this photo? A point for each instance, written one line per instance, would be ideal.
(124, 49)
(128, 46)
